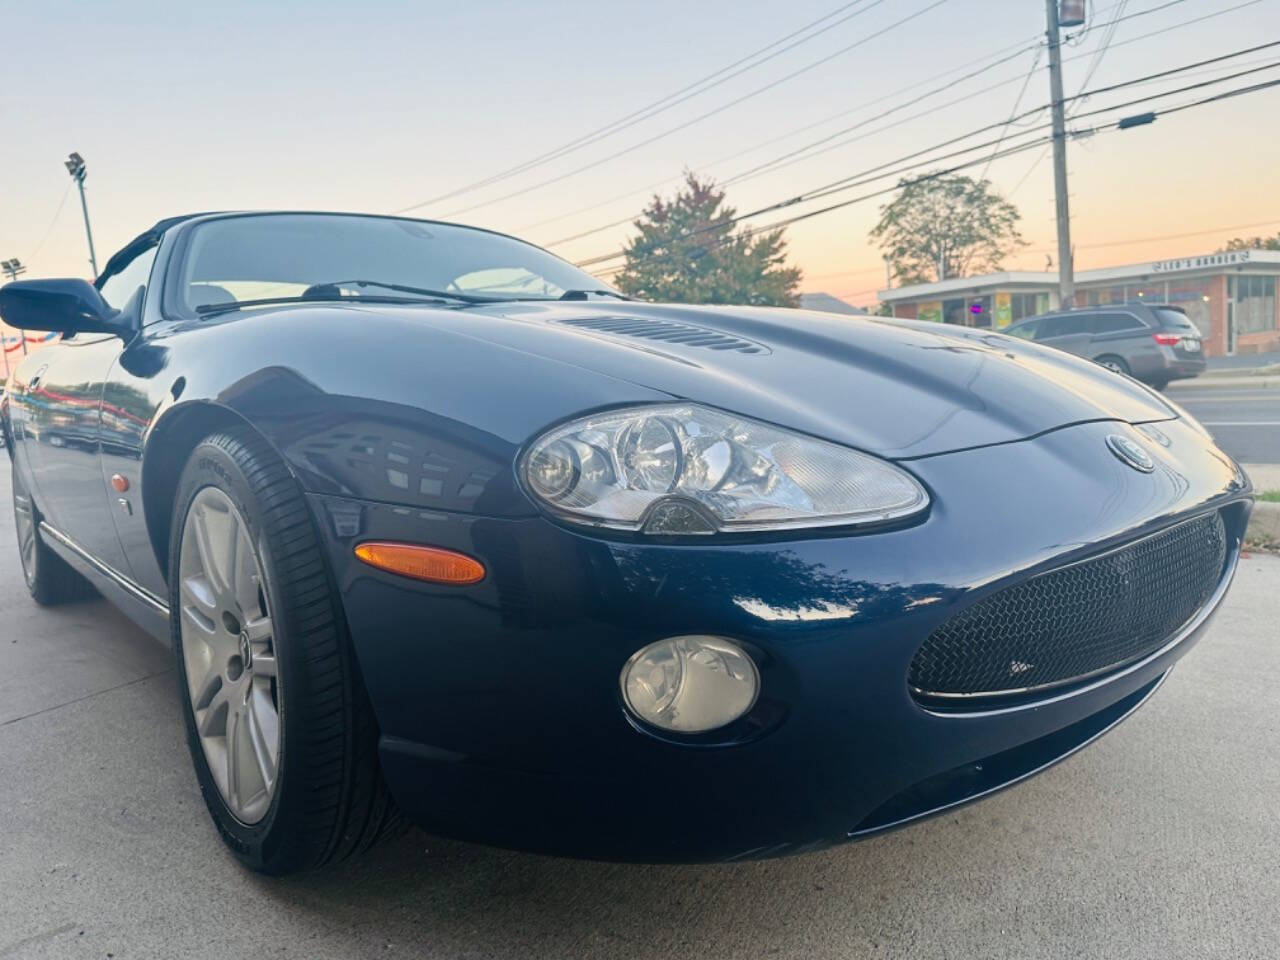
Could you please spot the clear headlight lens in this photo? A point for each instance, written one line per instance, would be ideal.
(687, 469)
(690, 684)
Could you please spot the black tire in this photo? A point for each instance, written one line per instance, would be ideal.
(1159, 384)
(1112, 362)
(49, 578)
(329, 801)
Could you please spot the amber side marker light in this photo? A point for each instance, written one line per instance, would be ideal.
(429, 564)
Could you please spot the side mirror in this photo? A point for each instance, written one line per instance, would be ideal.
(65, 306)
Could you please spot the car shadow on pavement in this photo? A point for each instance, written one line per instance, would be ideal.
(464, 899)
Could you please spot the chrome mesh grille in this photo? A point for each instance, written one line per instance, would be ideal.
(1077, 621)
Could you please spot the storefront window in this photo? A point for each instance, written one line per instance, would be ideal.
(980, 312)
(1027, 305)
(956, 311)
(1193, 298)
(1255, 300)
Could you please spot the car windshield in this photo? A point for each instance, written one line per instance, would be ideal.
(322, 256)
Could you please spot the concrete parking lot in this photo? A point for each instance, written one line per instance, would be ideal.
(1162, 840)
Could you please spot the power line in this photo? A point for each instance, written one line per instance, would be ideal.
(1009, 151)
(795, 156)
(1155, 114)
(877, 172)
(884, 191)
(700, 118)
(695, 89)
(1030, 170)
(1004, 57)
(948, 86)
(53, 222)
(1000, 56)
(809, 151)
(1013, 115)
(1101, 51)
(1035, 164)
(840, 185)
(1178, 236)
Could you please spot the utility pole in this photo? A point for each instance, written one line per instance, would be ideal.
(12, 267)
(1066, 261)
(75, 166)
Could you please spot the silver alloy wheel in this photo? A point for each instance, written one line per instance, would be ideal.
(1113, 366)
(228, 651)
(25, 519)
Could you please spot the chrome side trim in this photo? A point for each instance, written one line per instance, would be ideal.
(1190, 627)
(139, 593)
(1016, 780)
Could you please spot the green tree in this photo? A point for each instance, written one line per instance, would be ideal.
(687, 251)
(1254, 243)
(940, 227)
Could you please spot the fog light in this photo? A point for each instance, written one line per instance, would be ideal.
(690, 684)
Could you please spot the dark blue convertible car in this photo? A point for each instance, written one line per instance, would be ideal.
(436, 525)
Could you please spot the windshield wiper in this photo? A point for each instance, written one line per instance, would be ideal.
(423, 291)
(209, 309)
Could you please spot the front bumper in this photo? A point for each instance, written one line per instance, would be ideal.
(499, 707)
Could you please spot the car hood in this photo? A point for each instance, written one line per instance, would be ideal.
(900, 389)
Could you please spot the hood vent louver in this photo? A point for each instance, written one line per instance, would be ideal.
(665, 331)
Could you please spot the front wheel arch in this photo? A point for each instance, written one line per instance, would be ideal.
(167, 450)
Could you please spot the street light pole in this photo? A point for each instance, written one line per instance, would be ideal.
(75, 166)
(1066, 260)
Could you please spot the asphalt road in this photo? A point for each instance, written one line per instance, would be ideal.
(1245, 422)
(1160, 841)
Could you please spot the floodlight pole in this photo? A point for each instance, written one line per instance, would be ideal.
(76, 167)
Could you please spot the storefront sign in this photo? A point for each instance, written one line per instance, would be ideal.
(1003, 310)
(1197, 263)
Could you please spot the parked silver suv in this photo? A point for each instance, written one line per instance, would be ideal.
(1154, 343)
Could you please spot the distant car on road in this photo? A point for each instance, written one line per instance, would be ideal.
(1154, 343)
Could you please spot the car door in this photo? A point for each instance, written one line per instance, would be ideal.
(1122, 334)
(70, 488)
(1066, 331)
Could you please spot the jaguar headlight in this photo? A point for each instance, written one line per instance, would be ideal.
(688, 469)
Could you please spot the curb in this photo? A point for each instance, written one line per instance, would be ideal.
(1264, 370)
(1264, 525)
(1226, 383)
